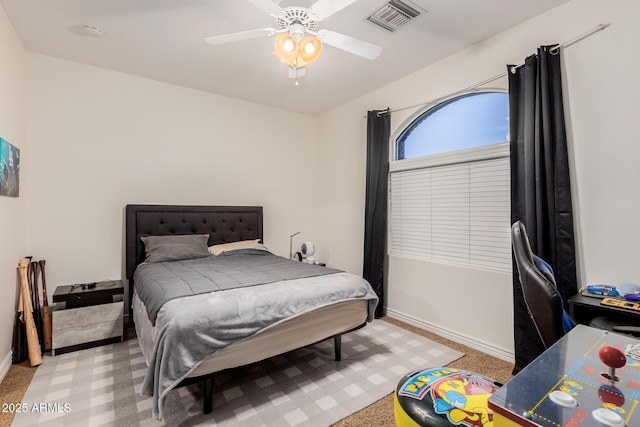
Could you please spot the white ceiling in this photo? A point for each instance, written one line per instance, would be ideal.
(163, 40)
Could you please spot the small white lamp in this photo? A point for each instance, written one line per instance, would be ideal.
(291, 244)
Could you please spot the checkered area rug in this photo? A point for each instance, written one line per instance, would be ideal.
(306, 387)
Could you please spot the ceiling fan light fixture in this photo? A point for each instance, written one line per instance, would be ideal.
(310, 48)
(297, 54)
(286, 47)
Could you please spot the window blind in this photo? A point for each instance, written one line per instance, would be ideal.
(453, 213)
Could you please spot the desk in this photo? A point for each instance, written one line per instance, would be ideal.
(573, 365)
(582, 309)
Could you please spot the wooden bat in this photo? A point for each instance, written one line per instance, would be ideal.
(30, 282)
(46, 316)
(33, 345)
(37, 313)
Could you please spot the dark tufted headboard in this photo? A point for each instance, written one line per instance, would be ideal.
(224, 224)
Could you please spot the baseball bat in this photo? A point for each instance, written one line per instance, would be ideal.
(19, 348)
(33, 345)
(29, 278)
(46, 316)
(37, 313)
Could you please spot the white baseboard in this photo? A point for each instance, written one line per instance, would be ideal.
(491, 350)
(5, 365)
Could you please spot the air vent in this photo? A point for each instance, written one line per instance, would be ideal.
(393, 15)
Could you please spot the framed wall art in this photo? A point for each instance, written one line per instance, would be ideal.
(9, 169)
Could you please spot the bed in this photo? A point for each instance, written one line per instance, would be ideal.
(260, 305)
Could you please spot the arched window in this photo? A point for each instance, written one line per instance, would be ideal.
(466, 121)
(450, 184)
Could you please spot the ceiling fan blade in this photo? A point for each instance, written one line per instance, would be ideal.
(350, 44)
(324, 8)
(242, 35)
(268, 6)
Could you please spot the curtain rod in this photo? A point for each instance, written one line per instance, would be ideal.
(574, 40)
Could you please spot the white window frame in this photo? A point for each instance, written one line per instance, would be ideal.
(484, 244)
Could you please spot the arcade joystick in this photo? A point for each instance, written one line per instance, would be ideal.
(614, 359)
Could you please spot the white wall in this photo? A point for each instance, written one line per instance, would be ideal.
(474, 306)
(100, 140)
(603, 104)
(12, 129)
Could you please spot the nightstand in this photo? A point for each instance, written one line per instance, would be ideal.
(87, 315)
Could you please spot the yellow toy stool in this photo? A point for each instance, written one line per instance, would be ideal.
(442, 397)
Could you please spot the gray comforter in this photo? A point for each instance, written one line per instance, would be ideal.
(236, 308)
(161, 282)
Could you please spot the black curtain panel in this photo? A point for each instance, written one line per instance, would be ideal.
(540, 184)
(375, 216)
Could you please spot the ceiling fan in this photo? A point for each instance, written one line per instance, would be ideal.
(298, 42)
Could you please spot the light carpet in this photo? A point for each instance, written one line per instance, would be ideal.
(306, 387)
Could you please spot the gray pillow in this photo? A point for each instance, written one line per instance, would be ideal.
(175, 247)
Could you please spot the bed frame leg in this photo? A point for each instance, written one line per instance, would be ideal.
(337, 343)
(207, 395)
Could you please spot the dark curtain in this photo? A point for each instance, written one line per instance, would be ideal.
(375, 216)
(540, 185)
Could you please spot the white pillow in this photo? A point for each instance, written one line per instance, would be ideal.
(223, 247)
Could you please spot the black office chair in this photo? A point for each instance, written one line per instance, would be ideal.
(542, 298)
